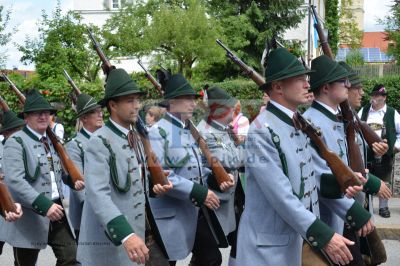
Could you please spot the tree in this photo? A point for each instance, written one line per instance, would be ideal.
(332, 23)
(247, 24)
(174, 31)
(392, 28)
(62, 43)
(5, 35)
(349, 33)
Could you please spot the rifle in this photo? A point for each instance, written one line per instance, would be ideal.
(151, 78)
(66, 161)
(219, 171)
(4, 105)
(106, 65)
(344, 175)
(6, 201)
(76, 91)
(154, 166)
(322, 37)
(248, 71)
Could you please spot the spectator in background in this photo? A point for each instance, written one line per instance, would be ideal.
(57, 128)
(153, 114)
(265, 99)
(240, 123)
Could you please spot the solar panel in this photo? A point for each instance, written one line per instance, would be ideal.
(370, 55)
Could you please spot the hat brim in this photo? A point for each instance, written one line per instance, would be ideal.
(316, 86)
(19, 123)
(103, 102)
(21, 114)
(87, 110)
(291, 75)
(225, 102)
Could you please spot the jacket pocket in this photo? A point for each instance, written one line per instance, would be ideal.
(164, 213)
(264, 239)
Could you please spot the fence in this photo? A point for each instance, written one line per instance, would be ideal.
(376, 71)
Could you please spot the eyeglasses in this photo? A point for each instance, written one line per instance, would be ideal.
(358, 89)
(40, 113)
(345, 82)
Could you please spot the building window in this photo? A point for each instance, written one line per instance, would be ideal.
(115, 4)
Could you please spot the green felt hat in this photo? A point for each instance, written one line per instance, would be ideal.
(36, 102)
(177, 86)
(218, 96)
(281, 64)
(326, 71)
(84, 104)
(353, 77)
(10, 121)
(119, 83)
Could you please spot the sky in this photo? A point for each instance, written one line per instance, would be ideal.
(26, 13)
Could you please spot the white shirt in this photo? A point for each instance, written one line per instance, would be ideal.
(176, 119)
(376, 116)
(87, 131)
(287, 111)
(54, 190)
(330, 109)
(121, 128)
(58, 129)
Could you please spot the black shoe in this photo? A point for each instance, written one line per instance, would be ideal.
(384, 212)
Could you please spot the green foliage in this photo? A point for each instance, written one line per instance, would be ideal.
(55, 90)
(392, 86)
(349, 33)
(62, 44)
(355, 58)
(392, 28)
(5, 34)
(247, 24)
(179, 32)
(332, 23)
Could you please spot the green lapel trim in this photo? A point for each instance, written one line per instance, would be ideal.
(28, 176)
(278, 113)
(170, 119)
(114, 129)
(217, 126)
(30, 134)
(85, 134)
(325, 111)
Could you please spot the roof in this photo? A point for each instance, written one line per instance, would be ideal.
(375, 40)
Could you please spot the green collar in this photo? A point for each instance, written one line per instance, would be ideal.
(217, 125)
(325, 111)
(84, 133)
(30, 134)
(173, 120)
(278, 113)
(114, 129)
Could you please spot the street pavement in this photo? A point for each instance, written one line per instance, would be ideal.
(390, 229)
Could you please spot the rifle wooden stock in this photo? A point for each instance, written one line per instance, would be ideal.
(106, 65)
(369, 135)
(156, 171)
(356, 161)
(219, 171)
(344, 175)
(322, 37)
(4, 105)
(66, 162)
(248, 71)
(6, 201)
(151, 78)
